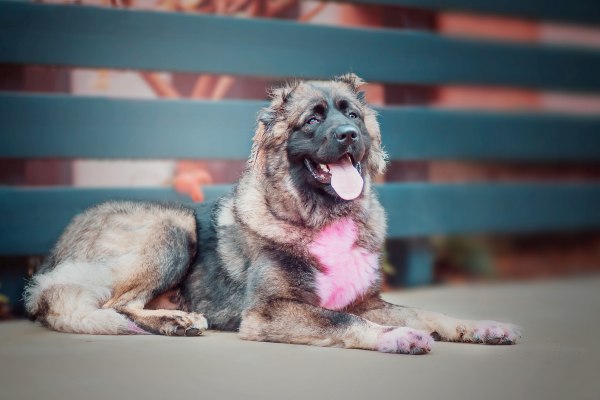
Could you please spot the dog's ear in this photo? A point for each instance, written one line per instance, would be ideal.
(266, 135)
(378, 158)
(354, 82)
(266, 117)
(279, 97)
(282, 94)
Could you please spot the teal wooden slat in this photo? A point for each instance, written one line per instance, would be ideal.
(33, 218)
(574, 11)
(84, 127)
(100, 37)
(421, 209)
(425, 133)
(65, 126)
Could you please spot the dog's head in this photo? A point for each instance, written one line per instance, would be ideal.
(324, 134)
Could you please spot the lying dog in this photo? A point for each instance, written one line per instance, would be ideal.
(292, 255)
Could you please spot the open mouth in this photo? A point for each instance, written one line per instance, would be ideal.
(344, 175)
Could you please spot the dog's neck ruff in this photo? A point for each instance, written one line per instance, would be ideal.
(347, 270)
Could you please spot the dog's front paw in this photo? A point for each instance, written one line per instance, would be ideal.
(492, 332)
(404, 341)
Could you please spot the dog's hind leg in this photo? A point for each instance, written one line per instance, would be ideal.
(166, 322)
(160, 266)
(75, 308)
(162, 322)
(110, 262)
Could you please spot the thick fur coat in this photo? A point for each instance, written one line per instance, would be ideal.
(291, 255)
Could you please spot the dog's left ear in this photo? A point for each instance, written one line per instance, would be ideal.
(281, 95)
(279, 98)
(266, 117)
(354, 82)
(266, 133)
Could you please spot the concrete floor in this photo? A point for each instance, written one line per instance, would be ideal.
(559, 357)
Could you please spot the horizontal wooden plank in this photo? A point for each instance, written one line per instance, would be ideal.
(32, 219)
(425, 133)
(50, 126)
(574, 11)
(71, 127)
(422, 209)
(113, 38)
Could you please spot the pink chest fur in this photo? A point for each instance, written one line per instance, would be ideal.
(347, 269)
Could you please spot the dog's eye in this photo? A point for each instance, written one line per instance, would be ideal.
(312, 121)
(352, 115)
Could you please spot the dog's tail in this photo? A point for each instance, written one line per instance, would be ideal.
(74, 307)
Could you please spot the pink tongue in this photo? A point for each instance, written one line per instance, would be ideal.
(345, 179)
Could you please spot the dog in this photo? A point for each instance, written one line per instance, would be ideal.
(291, 255)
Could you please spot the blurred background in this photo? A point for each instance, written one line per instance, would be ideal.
(456, 259)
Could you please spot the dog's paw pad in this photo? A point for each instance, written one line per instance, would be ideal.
(198, 324)
(492, 332)
(193, 332)
(186, 324)
(179, 331)
(405, 341)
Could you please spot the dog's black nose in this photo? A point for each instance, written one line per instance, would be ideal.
(346, 134)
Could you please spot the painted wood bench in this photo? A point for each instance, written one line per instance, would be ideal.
(65, 126)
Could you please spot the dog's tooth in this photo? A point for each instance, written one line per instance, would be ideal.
(323, 167)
